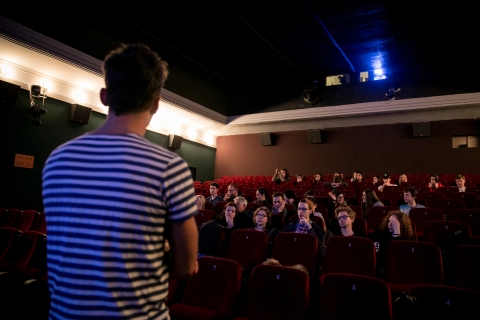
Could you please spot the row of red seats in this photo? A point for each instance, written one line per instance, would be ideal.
(345, 292)
(23, 220)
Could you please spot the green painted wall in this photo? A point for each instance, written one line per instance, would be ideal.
(21, 187)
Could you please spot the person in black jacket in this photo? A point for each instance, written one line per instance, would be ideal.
(304, 224)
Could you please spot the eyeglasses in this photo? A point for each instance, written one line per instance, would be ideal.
(303, 209)
(261, 215)
(342, 218)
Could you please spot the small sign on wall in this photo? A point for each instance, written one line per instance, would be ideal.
(23, 161)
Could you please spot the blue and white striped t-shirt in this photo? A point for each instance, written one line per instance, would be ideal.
(107, 199)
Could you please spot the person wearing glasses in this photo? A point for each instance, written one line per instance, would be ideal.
(232, 193)
(262, 221)
(344, 226)
(304, 224)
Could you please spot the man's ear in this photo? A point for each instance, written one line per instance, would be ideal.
(155, 105)
(103, 96)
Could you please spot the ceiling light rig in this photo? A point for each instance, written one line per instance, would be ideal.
(39, 92)
(392, 90)
(312, 94)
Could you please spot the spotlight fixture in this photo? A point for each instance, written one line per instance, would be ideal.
(342, 79)
(392, 89)
(311, 94)
(37, 91)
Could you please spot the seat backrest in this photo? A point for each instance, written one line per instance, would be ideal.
(396, 198)
(468, 198)
(276, 292)
(203, 216)
(10, 217)
(278, 221)
(359, 227)
(444, 302)
(248, 247)
(8, 239)
(362, 297)
(422, 215)
(375, 214)
(446, 191)
(386, 201)
(26, 220)
(292, 248)
(219, 206)
(447, 205)
(413, 262)
(470, 217)
(430, 197)
(358, 211)
(215, 287)
(40, 224)
(447, 234)
(466, 265)
(353, 255)
(29, 244)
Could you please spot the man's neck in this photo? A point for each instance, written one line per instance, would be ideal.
(135, 123)
(412, 204)
(347, 231)
(213, 196)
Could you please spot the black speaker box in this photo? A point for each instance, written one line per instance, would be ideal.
(8, 94)
(174, 141)
(421, 129)
(314, 136)
(265, 139)
(80, 114)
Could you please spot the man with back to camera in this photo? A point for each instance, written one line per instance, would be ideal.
(111, 200)
(214, 197)
(409, 195)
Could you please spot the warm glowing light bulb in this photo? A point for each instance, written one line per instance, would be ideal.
(192, 133)
(45, 84)
(6, 71)
(80, 96)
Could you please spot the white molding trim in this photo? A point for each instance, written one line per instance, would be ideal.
(358, 109)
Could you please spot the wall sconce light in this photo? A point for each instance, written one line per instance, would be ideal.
(37, 92)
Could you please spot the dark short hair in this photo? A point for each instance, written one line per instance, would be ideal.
(411, 190)
(134, 76)
(459, 176)
(279, 194)
(214, 184)
(263, 191)
(289, 194)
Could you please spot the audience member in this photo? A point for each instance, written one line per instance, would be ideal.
(289, 196)
(214, 197)
(354, 176)
(299, 179)
(317, 180)
(394, 226)
(386, 182)
(232, 193)
(318, 214)
(460, 181)
(281, 175)
(279, 205)
(434, 184)
(376, 180)
(262, 196)
(304, 224)
(241, 203)
(231, 219)
(200, 201)
(262, 220)
(409, 195)
(402, 179)
(344, 217)
(370, 200)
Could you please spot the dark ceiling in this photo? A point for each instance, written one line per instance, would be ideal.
(239, 57)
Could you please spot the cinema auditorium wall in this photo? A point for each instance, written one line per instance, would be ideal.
(22, 186)
(370, 149)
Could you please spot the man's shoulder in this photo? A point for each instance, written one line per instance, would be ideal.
(418, 205)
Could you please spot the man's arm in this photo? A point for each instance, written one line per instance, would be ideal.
(184, 248)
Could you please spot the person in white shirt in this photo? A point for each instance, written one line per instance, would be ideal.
(460, 181)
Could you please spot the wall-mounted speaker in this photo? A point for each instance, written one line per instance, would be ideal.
(421, 129)
(314, 136)
(174, 141)
(80, 114)
(265, 139)
(8, 94)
